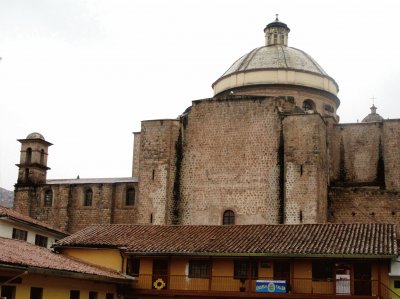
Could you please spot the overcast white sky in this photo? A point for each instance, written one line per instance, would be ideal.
(84, 73)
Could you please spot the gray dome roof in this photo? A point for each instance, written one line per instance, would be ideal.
(373, 116)
(35, 135)
(276, 57)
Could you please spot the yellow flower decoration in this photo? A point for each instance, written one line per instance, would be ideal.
(159, 284)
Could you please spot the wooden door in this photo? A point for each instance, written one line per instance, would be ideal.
(362, 279)
(160, 274)
(282, 272)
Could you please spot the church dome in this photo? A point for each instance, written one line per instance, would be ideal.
(373, 116)
(35, 135)
(276, 63)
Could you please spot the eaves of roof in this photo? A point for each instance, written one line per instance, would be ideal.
(125, 279)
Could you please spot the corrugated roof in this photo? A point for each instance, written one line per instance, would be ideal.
(93, 181)
(23, 254)
(13, 215)
(288, 240)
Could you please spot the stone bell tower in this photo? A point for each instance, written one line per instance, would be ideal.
(32, 171)
(33, 161)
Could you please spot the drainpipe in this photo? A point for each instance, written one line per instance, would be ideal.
(122, 258)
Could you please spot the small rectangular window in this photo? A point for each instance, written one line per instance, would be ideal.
(41, 240)
(397, 284)
(36, 293)
(240, 269)
(8, 292)
(322, 270)
(109, 296)
(19, 234)
(92, 295)
(74, 294)
(133, 266)
(199, 269)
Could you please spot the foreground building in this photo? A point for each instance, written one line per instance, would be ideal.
(243, 261)
(30, 271)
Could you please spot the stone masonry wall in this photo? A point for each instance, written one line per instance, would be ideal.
(136, 154)
(355, 152)
(391, 150)
(230, 160)
(305, 169)
(22, 197)
(68, 211)
(320, 98)
(157, 170)
(364, 205)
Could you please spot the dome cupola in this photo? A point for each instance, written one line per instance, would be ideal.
(276, 33)
(373, 116)
(274, 67)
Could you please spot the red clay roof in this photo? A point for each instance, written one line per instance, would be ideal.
(20, 253)
(284, 240)
(14, 215)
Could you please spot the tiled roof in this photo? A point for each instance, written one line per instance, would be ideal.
(367, 240)
(20, 253)
(93, 181)
(13, 215)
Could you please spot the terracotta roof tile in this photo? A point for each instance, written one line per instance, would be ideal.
(14, 215)
(20, 253)
(290, 240)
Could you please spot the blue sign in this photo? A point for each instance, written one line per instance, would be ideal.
(271, 286)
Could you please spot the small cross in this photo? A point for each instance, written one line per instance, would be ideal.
(277, 17)
(373, 100)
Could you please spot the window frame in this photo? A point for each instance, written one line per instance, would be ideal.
(199, 269)
(48, 198)
(19, 234)
(308, 105)
(28, 157)
(93, 295)
(88, 197)
(240, 269)
(8, 289)
(74, 294)
(41, 241)
(322, 270)
(36, 293)
(130, 196)
(109, 295)
(247, 266)
(228, 217)
(42, 156)
(133, 266)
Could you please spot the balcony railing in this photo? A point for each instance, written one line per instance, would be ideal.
(293, 286)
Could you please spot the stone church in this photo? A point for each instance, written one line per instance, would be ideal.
(267, 148)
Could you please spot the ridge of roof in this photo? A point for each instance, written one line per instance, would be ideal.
(363, 239)
(92, 180)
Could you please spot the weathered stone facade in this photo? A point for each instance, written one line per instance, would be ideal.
(269, 152)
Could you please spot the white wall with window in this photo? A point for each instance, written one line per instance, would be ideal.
(35, 235)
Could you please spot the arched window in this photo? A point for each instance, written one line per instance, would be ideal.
(308, 105)
(88, 197)
(48, 198)
(229, 218)
(29, 155)
(130, 197)
(26, 174)
(42, 156)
